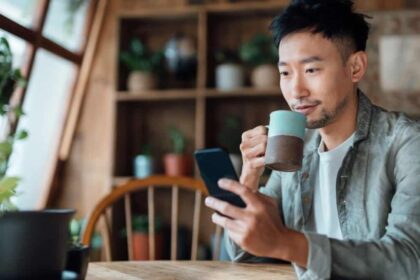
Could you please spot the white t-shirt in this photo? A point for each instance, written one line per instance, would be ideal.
(325, 198)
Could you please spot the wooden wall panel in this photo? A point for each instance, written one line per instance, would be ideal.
(86, 175)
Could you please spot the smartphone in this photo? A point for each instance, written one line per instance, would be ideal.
(215, 164)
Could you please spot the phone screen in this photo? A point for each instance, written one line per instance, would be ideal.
(215, 164)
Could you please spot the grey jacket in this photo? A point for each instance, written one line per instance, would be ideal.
(378, 202)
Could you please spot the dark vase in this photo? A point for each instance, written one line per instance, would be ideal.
(78, 260)
(33, 244)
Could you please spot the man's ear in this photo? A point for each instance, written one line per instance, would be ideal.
(358, 65)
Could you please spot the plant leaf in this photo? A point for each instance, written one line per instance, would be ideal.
(21, 134)
(8, 187)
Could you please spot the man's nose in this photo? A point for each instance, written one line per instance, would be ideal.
(298, 88)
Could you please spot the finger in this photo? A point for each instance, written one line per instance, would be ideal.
(253, 132)
(251, 142)
(225, 222)
(257, 162)
(247, 195)
(223, 207)
(255, 151)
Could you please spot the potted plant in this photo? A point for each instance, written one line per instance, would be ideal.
(261, 54)
(140, 224)
(143, 65)
(229, 137)
(177, 163)
(229, 72)
(33, 243)
(78, 253)
(143, 163)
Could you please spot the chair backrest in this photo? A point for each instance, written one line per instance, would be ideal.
(149, 184)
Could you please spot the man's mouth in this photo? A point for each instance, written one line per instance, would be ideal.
(305, 109)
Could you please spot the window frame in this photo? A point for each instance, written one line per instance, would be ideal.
(35, 39)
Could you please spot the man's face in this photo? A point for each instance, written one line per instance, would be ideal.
(313, 78)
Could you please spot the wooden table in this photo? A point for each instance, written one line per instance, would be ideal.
(177, 270)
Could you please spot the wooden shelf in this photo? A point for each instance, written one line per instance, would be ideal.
(246, 6)
(243, 92)
(156, 95)
(187, 11)
(162, 13)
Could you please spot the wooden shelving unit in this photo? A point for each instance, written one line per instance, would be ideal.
(198, 105)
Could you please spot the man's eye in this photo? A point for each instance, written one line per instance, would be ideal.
(284, 73)
(312, 70)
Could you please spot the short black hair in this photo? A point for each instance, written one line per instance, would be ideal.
(333, 19)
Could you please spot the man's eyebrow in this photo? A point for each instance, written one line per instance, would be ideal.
(303, 61)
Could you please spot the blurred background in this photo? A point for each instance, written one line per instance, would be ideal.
(116, 89)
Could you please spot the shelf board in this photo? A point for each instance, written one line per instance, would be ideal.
(157, 95)
(163, 13)
(246, 6)
(188, 11)
(243, 92)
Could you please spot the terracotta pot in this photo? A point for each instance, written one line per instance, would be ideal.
(141, 246)
(265, 76)
(139, 81)
(177, 165)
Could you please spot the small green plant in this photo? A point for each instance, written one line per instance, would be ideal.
(224, 56)
(10, 78)
(259, 50)
(140, 224)
(140, 58)
(75, 228)
(146, 149)
(178, 140)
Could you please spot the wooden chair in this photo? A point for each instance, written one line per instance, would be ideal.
(149, 184)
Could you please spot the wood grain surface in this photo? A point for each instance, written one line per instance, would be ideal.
(188, 270)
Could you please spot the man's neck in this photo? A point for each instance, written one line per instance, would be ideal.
(342, 128)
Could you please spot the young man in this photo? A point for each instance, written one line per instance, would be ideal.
(353, 210)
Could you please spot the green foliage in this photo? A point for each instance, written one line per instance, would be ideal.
(7, 191)
(75, 228)
(10, 78)
(230, 134)
(140, 223)
(178, 140)
(259, 50)
(140, 58)
(146, 149)
(223, 56)
(73, 6)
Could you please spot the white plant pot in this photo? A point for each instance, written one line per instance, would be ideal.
(139, 81)
(229, 76)
(265, 76)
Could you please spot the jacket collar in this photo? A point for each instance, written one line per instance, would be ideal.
(364, 116)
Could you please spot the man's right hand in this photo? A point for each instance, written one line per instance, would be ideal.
(253, 146)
